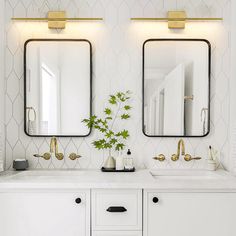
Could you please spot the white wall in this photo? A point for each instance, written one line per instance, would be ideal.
(2, 84)
(232, 91)
(117, 56)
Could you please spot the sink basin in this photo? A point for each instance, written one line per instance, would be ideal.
(52, 173)
(185, 174)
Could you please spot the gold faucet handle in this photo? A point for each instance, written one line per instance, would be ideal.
(175, 157)
(188, 157)
(74, 156)
(59, 156)
(45, 156)
(160, 157)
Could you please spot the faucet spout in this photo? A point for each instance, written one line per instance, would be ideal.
(54, 148)
(53, 145)
(181, 146)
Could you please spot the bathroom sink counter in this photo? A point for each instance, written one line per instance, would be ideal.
(164, 181)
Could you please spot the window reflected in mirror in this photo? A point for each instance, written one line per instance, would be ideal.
(57, 87)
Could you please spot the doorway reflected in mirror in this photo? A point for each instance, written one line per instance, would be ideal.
(176, 87)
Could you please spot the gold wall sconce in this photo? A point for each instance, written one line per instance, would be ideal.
(56, 19)
(177, 19)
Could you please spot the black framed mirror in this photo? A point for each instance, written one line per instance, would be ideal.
(176, 87)
(57, 87)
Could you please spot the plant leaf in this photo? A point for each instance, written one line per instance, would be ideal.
(99, 144)
(113, 141)
(107, 111)
(119, 146)
(109, 134)
(124, 134)
(112, 99)
(127, 107)
(125, 116)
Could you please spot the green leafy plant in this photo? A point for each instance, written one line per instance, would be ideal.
(118, 110)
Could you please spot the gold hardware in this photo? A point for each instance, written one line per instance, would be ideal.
(175, 157)
(188, 157)
(59, 23)
(74, 156)
(59, 156)
(188, 97)
(57, 19)
(53, 145)
(54, 148)
(160, 157)
(45, 156)
(177, 19)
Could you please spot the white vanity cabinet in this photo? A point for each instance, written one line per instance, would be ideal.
(185, 214)
(117, 233)
(117, 212)
(45, 213)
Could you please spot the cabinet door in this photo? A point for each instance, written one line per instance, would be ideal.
(44, 214)
(117, 233)
(185, 214)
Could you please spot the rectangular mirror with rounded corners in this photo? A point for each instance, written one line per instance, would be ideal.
(176, 87)
(57, 87)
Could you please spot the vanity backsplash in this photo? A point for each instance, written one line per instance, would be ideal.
(117, 65)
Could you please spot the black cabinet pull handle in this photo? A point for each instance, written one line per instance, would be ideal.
(155, 200)
(78, 200)
(116, 209)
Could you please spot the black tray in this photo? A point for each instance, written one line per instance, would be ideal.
(114, 170)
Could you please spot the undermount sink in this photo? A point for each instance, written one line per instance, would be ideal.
(52, 173)
(185, 174)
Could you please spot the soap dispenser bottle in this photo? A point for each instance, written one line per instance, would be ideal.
(129, 161)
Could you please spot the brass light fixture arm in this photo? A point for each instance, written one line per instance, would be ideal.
(56, 19)
(177, 19)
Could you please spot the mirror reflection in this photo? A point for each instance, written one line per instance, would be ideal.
(176, 87)
(57, 87)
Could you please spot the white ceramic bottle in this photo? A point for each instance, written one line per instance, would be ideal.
(120, 162)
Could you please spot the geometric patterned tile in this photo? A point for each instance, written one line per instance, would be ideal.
(117, 60)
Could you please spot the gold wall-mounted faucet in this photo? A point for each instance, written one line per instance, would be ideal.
(54, 148)
(181, 145)
(181, 150)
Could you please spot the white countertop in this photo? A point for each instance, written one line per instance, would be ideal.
(165, 181)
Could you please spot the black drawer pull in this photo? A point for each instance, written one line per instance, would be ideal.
(78, 200)
(155, 200)
(116, 209)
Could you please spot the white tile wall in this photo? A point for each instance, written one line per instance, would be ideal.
(2, 85)
(117, 58)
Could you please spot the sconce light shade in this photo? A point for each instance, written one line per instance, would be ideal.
(177, 19)
(56, 19)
